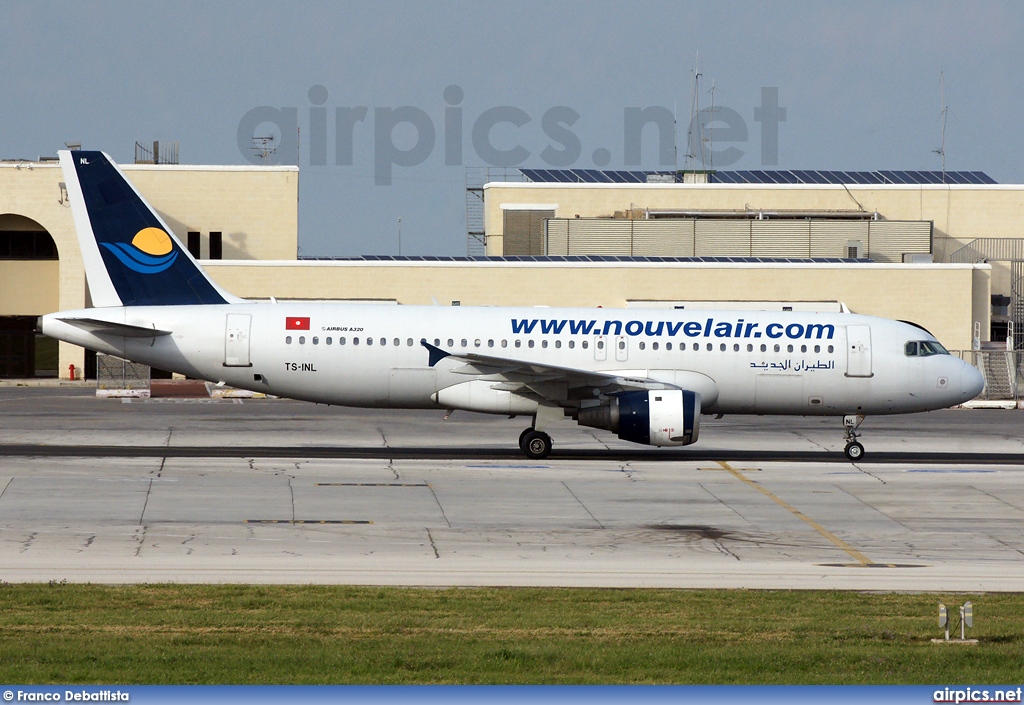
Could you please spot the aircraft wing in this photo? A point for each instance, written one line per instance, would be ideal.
(548, 382)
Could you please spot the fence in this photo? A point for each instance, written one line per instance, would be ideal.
(120, 378)
(1003, 371)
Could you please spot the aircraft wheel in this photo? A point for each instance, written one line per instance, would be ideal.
(854, 451)
(522, 436)
(536, 445)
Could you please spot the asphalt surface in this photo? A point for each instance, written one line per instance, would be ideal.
(284, 492)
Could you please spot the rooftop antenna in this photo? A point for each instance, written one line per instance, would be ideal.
(711, 130)
(263, 146)
(694, 110)
(941, 151)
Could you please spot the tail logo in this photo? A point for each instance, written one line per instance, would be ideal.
(150, 251)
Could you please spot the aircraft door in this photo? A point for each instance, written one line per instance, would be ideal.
(236, 340)
(600, 347)
(621, 348)
(858, 351)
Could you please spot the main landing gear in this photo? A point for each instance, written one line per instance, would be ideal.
(536, 445)
(854, 450)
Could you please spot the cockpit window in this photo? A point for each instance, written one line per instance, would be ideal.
(924, 348)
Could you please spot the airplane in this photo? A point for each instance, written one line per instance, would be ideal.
(645, 375)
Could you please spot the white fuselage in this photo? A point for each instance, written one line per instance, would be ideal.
(366, 355)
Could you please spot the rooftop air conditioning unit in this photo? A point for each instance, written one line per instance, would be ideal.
(854, 249)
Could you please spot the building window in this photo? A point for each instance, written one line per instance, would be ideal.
(216, 245)
(18, 244)
(193, 244)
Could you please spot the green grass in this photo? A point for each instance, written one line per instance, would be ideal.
(313, 634)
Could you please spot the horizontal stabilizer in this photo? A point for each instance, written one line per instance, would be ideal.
(122, 330)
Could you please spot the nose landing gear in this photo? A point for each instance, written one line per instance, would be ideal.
(854, 450)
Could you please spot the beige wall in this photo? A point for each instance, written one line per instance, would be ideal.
(255, 207)
(26, 288)
(960, 213)
(940, 297)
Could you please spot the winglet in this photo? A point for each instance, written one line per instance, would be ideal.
(436, 354)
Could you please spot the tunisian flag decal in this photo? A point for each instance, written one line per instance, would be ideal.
(296, 323)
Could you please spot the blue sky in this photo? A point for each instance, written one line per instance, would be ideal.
(859, 83)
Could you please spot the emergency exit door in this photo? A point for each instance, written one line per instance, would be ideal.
(236, 340)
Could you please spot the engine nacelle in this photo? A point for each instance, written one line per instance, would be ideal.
(665, 417)
(479, 395)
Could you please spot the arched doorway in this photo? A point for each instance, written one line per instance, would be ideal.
(29, 287)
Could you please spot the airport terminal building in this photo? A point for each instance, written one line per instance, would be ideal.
(943, 250)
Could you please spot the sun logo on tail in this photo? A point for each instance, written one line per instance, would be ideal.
(151, 251)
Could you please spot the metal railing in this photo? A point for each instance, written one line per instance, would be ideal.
(1003, 371)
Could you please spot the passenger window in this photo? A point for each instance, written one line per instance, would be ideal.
(585, 344)
(288, 340)
(476, 343)
(710, 347)
(464, 342)
(777, 348)
(789, 348)
(817, 348)
(504, 343)
(329, 341)
(409, 342)
(736, 347)
(543, 343)
(341, 341)
(764, 348)
(316, 340)
(750, 348)
(803, 348)
(654, 346)
(530, 343)
(642, 345)
(668, 346)
(451, 343)
(490, 343)
(355, 341)
(437, 343)
(518, 344)
(572, 344)
(558, 343)
(722, 347)
(600, 345)
(831, 349)
(622, 345)
(397, 342)
(302, 340)
(369, 341)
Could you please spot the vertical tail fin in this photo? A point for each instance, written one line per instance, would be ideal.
(131, 257)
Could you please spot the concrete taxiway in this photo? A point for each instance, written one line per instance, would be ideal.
(283, 492)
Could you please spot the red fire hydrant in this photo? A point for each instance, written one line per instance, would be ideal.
(71, 369)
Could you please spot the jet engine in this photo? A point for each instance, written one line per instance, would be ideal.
(665, 417)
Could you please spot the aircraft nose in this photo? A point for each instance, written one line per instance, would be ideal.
(971, 381)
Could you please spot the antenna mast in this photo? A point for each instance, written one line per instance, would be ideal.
(941, 151)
